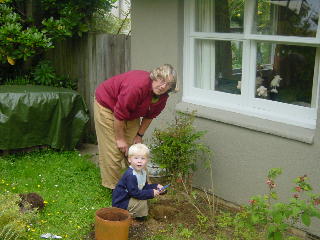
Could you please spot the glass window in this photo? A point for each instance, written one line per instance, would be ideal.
(287, 17)
(223, 75)
(219, 16)
(285, 73)
(271, 72)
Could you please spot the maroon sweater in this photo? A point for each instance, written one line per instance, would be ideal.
(129, 95)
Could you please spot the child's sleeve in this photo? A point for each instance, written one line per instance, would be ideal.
(134, 191)
(151, 186)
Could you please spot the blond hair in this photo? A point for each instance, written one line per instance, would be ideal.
(168, 74)
(139, 149)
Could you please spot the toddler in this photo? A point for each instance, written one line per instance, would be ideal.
(132, 191)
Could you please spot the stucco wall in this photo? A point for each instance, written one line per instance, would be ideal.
(242, 157)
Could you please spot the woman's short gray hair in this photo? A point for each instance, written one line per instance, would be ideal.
(168, 74)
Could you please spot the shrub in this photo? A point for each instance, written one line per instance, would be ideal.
(272, 217)
(177, 149)
(277, 217)
(44, 74)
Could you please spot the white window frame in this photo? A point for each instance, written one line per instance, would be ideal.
(246, 103)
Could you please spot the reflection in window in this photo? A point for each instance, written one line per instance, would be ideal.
(219, 16)
(287, 17)
(218, 65)
(285, 73)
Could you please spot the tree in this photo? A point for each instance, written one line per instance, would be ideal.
(29, 27)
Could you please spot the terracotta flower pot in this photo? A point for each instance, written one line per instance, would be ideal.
(112, 224)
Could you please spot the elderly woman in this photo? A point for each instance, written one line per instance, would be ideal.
(120, 102)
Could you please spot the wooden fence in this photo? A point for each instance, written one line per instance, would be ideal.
(92, 59)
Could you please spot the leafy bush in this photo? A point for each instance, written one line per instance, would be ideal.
(277, 217)
(176, 148)
(24, 34)
(43, 74)
(16, 41)
(13, 223)
(266, 215)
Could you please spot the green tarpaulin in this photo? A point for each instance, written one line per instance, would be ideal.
(40, 115)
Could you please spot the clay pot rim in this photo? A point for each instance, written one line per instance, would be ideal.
(111, 209)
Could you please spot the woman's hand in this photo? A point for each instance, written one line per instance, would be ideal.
(123, 146)
(137, 139)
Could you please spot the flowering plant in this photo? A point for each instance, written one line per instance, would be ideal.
(277, 217)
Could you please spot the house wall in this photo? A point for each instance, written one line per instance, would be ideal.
(242, 157)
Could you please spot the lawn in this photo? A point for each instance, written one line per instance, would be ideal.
(69, 184)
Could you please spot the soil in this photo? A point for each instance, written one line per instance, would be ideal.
(172, 215)
(30, 201)
(169, 215)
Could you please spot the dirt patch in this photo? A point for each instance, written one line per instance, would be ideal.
(172, 215)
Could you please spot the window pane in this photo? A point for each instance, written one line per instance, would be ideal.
(285, 73)
(218, 65)
(287, 17)
(219, 16)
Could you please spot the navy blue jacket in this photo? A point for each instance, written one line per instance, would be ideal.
(127, 188)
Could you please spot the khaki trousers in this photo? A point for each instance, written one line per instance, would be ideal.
(138, 208)
(111, 160)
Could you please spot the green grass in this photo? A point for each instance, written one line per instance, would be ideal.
(69, 184)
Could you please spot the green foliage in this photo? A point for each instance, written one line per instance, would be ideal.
(277, 217)
(272, 218)
(176, 148)
(234, 226)
(203, 223)
(17, 41)
(104, 21)
(69, 184)
(14, 223)
(25, 34)
(186, 233)
(43, 74)
(19, 80)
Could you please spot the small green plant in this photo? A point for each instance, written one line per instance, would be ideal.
(18, 80)
(278, 217)
(185, 233)
(203, 224)
(44, 74)
(234, 226)
(13, 223)
(177, 149)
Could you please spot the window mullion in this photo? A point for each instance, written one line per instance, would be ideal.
(248, 72)
(315, 84)
(318, 29)
(249, 9)
(188, 46)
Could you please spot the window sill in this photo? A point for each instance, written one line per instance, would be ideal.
(254, 123)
